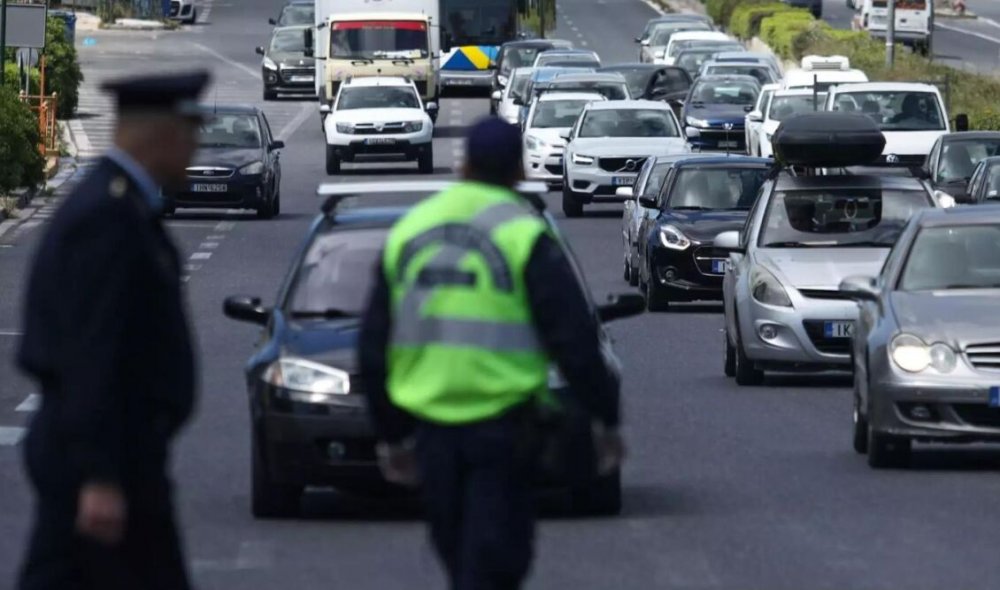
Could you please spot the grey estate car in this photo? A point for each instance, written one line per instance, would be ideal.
(926, 351)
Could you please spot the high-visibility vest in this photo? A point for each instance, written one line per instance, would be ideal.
(463, 346)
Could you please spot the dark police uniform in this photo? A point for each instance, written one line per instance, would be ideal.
(106, 336)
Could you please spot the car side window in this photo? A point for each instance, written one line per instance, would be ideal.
(640, 182)
(675, 81)
(974, 181)
(748, 224)
(266, 125)
(932, 159)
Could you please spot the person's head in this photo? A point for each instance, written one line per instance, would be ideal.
(911, 105)
(158, 122)
(493, 153)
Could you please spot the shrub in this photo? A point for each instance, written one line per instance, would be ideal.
(63, 74)
(781, 31)
(745, 21)
(23, 164)
(12, 78)
(721, 10)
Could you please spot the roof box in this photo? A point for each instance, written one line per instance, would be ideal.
(817, 63)
(827, 140)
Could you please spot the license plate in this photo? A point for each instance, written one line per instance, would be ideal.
(995, 397)
(301, 79)
(624, 180)
(460, 82)
(380, 141)
(838, 329)
(209, 188)
(719, 266)
(728, 144)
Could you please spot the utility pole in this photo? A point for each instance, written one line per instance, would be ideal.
(3, 39)
(890, 35)
(543, 6)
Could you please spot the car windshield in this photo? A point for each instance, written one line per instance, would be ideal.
(517, 57)
(478, 22)
(520, 83)
(716, 188)
(288, 41)
(296, 14)
(336, 274)
(954, 257)
(636, 80)
(558, 113)
(692, 61)
(959, 158)
(825, 218)
(378, 39)
(762, 73)
(783, 107)
(678, 46)
(897, 110)
(661, 34)
(378, 97)
(725, 92)
(628, 123)
(609, 90)
(230, 131)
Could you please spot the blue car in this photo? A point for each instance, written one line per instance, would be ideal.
(715, 110)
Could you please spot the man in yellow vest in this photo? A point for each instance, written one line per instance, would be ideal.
(474, 302)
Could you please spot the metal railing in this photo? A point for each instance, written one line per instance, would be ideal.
(44, 107)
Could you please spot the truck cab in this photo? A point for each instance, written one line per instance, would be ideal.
(914, 21)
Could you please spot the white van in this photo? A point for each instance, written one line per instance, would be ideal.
(823, 72)
(677, 39)
(914, 21)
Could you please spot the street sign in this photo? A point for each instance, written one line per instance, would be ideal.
(27, 57)
(25, 25)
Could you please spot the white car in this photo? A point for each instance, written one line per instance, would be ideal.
(508, 108)
(184, 10)
(551, 117)
(677, 40)
(785, 104)
(911, 116)
(823, 72)
(381, 116)
(755, 118)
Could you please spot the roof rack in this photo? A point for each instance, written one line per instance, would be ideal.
(816, 63)
(336, 193)
(827, 140)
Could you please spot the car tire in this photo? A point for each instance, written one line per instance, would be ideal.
(656, 297)
(267, 208)
(268, 499)
(627, 274)
(570, 205)
(634, 276)
(860, 438)
(744, 370)
(425, 161)
(729, 362)
(332, 161)
(886, 451)
(603, 497)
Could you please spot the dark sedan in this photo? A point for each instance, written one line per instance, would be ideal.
(308, 416)
(653, 81)
(236, 165)
(285, 67)
(700, 198)
(953, 159)
(984, 187)
(715, 111)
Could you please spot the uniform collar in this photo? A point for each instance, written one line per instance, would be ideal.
(147, 186)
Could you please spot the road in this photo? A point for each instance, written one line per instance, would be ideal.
(724, 488)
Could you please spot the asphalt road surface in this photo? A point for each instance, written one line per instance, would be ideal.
(724, 488)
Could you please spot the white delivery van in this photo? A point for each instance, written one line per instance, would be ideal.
(914, 21)
(823, 72)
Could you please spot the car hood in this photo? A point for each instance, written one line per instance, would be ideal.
(910, 143)
(332, 343)
(226, 156)
(716, 114)
(958, 317)
(821, 268)
(703, 226)
(629, 146)
(378, 115)
(292, 59)
(550, 135)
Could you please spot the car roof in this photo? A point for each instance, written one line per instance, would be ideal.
(638, 67)
(735, 160)
(229, 109)
(960, 135)
(744, 55)
(699, 36)
(679, 17)
(788, 182)
(589, 77)
(557, 96)
(554, 70)
(796, 92)
(613, 105)
(728, 78)
(560, 51)
(522, 71)
(379, 81)
(887, 87)
(735, 64)
(300, 3)
(969, 215)
(529, 43)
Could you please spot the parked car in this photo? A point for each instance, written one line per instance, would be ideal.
(688, 39)
(692, 58)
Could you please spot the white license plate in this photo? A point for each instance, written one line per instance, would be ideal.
(728, 144)
(380, 141)
(838, 329)
(623, 180)
(301, 79)
(719, 266)
(209, 188)
(460, 82)
(995, 397)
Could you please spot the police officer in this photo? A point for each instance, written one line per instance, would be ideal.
(106, 337)
(472, 303)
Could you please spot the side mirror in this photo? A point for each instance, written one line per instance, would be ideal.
(644, 42)
(624, 192)
(748, 108)
(431, 107)
(648, 203)
(271, 21)
(277, 144)
(565, 135)
(961, 122)
(259, 50)
(859, 288)
(497, 95)
(246, 309)
(621, 306)
(324, 109)
(728, 240)
(756, 117)
(692, 132)
(638, 39)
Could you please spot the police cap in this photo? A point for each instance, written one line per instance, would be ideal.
(163, 93)
(494, 149)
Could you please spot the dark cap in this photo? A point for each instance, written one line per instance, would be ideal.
(164, 93)
(493, 149)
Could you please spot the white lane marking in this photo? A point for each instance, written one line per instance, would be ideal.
(225, 225)
(208, 245)
(10, 333)
(656, 8)
(191, 267)
(30, 403)
(215, 237)
(11, 435)
(583, 43)
(574, 29)
(982, 36)
(201, 256)
(305, 112)
(242, 67)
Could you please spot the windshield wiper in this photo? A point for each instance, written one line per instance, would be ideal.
(689, 208)
(786, 245)
(327, 314)
(965, 286)
(868, 244)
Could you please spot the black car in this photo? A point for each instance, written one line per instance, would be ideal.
(984, 187)
(295, 13)
(700, 198)
(285, 67)
(715, 111)
(236, 165)
(691, 60)
(309, 423)
(653, 81)
(953, 159)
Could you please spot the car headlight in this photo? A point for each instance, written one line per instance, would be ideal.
(696, 122)
(269, 63)
(307, 381)
(413, 127)
(345, 128)
(766, 288)
(913, 355)
(944, 200)
(254, 168)
(583, 160)
(502, 80)
(533, 143)
(673, 238)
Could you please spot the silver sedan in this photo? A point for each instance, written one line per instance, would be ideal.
(927, 348)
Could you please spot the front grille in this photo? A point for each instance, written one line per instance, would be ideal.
(703, 257)
(622, 164)
(900, 160)
(823, 294)
(978, 415)
(386, 129)
(288, 73)
(210, 172)
(985, 357)
(814, 329)
(175, 8)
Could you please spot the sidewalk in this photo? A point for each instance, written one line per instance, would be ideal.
(86, 21)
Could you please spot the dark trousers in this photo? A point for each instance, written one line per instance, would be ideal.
(478, 491)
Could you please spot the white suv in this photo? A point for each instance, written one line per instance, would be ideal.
(377, 117)
(551, 116)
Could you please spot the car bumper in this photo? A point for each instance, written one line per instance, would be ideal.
(408, 145)
(692, 274)
(921, 409)
(798, 342)
(453, 79)
(276, 81)
(719, 139)
(904, 37)
(236, 192)
(545, 166)
(591, 183)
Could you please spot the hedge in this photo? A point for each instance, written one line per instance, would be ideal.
(722, 10)
(23, 164)
(782, 31)
(12, 78)
(63, 74)
(746, 18)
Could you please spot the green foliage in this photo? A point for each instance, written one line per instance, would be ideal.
(721, 10)
(781, 31)
(23, 164)
(63, 74)
(746, 18)
(12, 78)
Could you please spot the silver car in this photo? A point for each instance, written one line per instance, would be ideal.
(927, 347)
(608, 146)
(805, 234)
